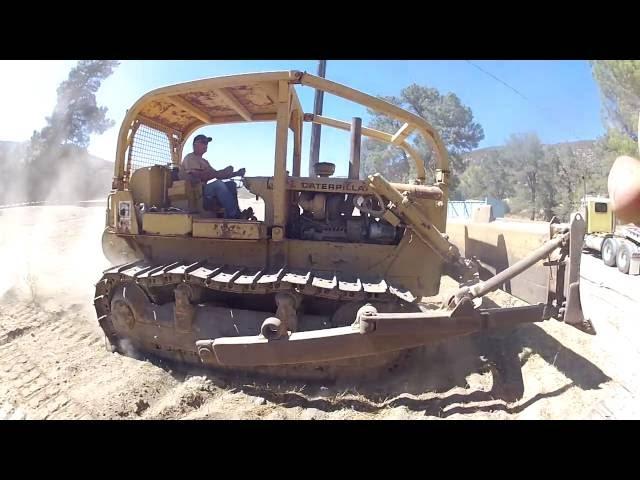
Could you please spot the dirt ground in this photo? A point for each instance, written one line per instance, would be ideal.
(54, 365)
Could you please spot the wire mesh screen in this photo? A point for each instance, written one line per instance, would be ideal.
(150, 147)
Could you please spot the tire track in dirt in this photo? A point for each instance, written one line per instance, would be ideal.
(29, 389)
(26, 382)
(18, 321)
(57, 367)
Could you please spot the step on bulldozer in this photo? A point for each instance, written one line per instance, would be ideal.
(337, 273)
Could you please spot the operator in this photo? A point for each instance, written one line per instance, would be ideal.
(195, 168)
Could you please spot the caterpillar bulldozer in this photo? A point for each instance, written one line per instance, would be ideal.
(337, 273)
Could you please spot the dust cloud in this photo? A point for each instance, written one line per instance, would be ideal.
(50, 251)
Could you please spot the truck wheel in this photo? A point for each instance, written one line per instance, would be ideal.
(609, 252)
(624, 258)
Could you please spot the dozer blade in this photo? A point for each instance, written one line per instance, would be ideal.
(573, 313)
(553, 280)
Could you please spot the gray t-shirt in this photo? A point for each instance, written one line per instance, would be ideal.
(193, 163)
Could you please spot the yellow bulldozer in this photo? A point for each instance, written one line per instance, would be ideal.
(338, 271)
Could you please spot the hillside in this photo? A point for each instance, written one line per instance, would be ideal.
(583, 148)
(77, 176)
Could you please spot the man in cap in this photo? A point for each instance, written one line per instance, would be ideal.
(195, 168)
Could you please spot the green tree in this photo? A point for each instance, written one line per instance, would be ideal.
(446, 113)
(490, 176)
(526, 154)
(607, 148)
(549, 185)
(68, 131)
(570, 180)
(619, 82)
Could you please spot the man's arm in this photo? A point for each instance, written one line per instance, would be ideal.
(210, 173)
(200, 175)
(226, 173)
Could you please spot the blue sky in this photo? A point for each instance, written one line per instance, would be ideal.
(562, 99)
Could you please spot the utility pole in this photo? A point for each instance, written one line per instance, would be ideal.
(314, 154)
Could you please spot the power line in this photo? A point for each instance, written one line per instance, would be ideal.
(499, 80)
(546, 111)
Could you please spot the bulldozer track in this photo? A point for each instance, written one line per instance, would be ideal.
(247, 280)
(242, 280)
(151, 277)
